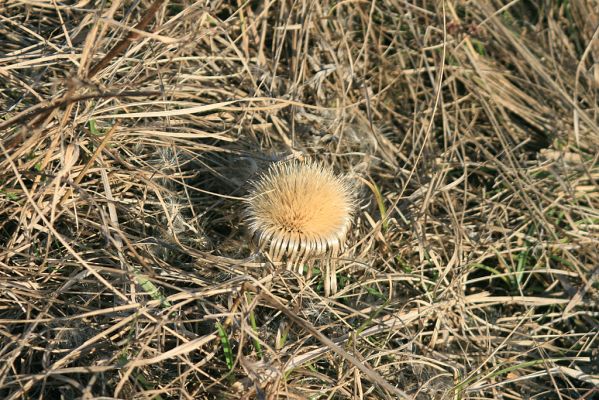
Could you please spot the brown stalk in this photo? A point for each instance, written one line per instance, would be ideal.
(131, 36)
(47, 106)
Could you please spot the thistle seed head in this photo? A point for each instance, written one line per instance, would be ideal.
(299, 209)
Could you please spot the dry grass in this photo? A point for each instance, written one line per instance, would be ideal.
(128, 134)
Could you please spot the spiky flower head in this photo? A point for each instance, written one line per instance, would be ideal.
(299, 210)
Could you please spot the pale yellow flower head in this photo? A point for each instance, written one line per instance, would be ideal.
(299, 210)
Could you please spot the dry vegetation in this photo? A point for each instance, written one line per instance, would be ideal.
(129, 130)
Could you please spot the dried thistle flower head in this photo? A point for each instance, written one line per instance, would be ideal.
(300, 210)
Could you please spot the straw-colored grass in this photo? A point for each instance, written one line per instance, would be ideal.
(130, 132)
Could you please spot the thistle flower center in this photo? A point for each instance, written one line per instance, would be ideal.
(300, 208)
(304, 209)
